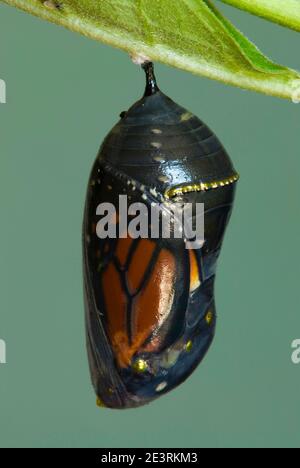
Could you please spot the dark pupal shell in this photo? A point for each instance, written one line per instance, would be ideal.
(150, 310)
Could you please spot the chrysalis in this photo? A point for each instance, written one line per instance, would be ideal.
(150, 310)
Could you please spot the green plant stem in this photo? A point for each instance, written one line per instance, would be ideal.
(283, 12)
(189, 34)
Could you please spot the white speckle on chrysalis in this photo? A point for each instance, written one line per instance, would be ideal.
(164, 179)
(156, 144)
(161, 386)
(139, 59)
(170, 358)
(159, 159)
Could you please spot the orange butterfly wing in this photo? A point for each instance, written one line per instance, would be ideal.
(138, 287)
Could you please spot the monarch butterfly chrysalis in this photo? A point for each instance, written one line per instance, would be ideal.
(150, 310)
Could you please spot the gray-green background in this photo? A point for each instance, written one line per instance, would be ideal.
(64, 93)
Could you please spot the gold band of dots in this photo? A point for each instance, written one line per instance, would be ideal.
(203, 187)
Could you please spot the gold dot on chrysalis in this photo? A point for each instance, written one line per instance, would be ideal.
(186, 116)
(140, 366)
(209, 317)
(100, 403)
(189, 346)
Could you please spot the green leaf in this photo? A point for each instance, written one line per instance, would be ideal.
(188, 34)
(284, 12)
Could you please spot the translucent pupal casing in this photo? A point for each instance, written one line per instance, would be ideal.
(150, 309)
